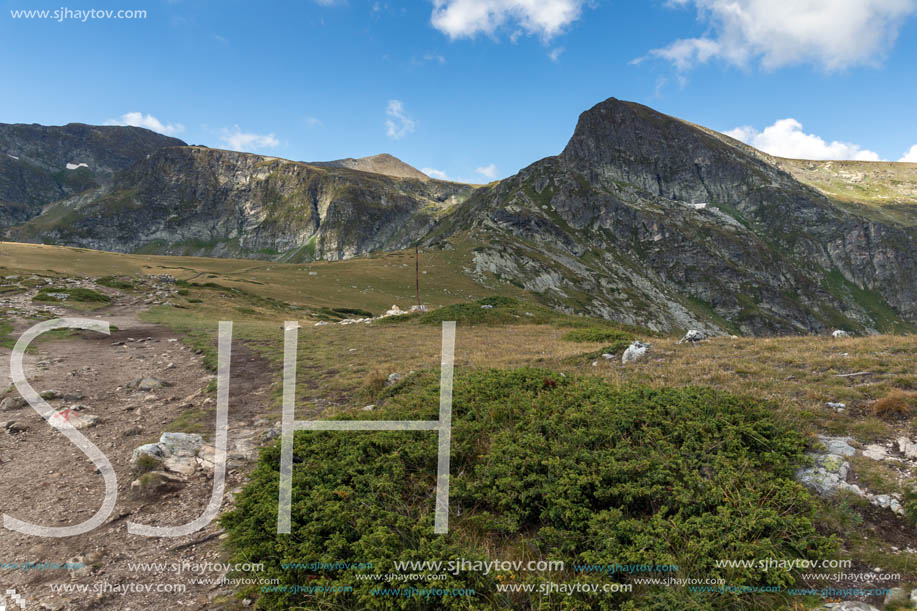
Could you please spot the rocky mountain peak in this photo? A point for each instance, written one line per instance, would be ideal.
(385, 164)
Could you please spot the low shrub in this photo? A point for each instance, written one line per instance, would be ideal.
(895, 405)
(354, 312)
(83, 295)
(554, 467)
(116, 282)
(145, 464)
(594, 334)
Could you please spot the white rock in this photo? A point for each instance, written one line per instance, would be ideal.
(907, 447)
(875, 452)
(184, 465)
(181, 444)
(838, 334)
(634, 352)
(693, 336)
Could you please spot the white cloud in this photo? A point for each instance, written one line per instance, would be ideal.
(832, 34)
(554, 54)
(400, 124)
(468, 18)
(314, 122)
(489, 171)
(434, 173)
(785, 138)
(911, 155)
(237, 140)
(138, 119)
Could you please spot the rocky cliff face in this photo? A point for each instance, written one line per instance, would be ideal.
(200, 201)
(41, 164)
(650, 220)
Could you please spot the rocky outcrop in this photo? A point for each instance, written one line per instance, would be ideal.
(43, 164)
(200, 201)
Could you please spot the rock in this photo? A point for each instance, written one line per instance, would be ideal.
(245, 448)
(50, 395)
(394, 311)
(914, 598)
(80, 567)
(838, 445)
(838, 334)
(52, 603)
(181, 444)
(418, 308)
(393, 378)
(321, 323)
(368, 408)
(487, 307)
(274, 432)
(907, 447)
(10, 426)
(185, 465)
(155, 482)
(882, 500)
(151, 449)
(875, 452)
(693, 336)
(206, 457)
(836, 406)
(147, 383)
(634, 352)
(897, 596)
(608, 356)
(12, 403)
(847, 605)
(76, 420)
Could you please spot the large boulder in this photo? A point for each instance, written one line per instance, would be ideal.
(693, 336)
(634, 352)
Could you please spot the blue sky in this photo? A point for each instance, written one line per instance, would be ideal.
(470, 89)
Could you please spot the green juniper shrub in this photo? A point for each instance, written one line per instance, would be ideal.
(49, 294)
(594, 334)
(116, 282)
(561, 468)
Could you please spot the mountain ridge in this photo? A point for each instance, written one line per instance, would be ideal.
(642, 218)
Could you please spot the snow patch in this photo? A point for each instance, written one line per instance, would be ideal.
(12, 157)
(76, 166)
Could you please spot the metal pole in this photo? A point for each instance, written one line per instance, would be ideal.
(417, 273)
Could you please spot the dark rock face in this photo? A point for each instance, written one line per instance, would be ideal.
(34, 162)
(194, 200)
